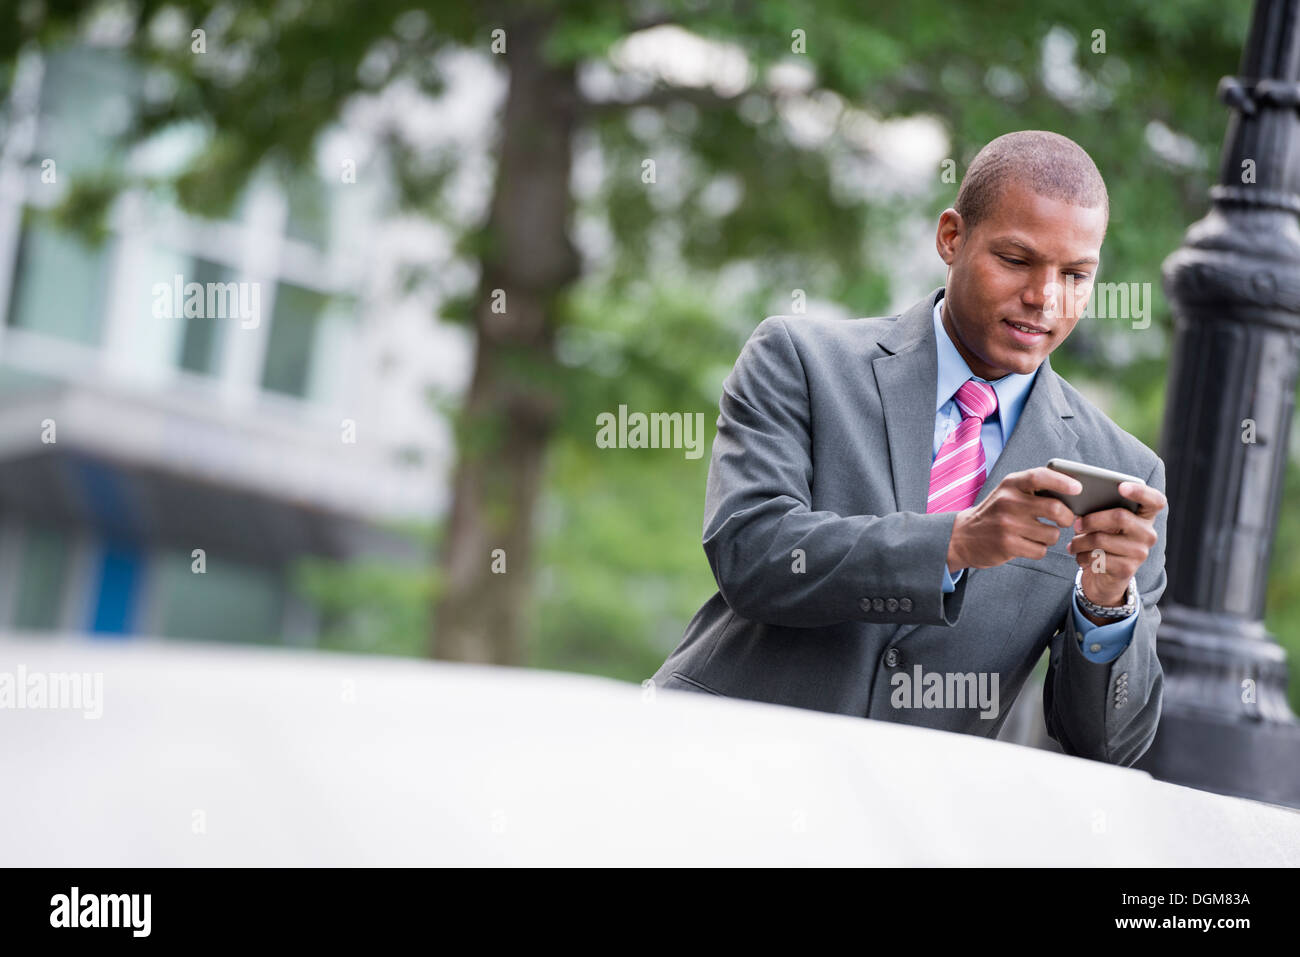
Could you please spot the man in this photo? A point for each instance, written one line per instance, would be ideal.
(870, 516)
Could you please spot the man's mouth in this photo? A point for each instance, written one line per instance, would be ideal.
(1026, 331)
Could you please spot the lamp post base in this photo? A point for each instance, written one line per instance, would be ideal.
(1255, 760)
(1225, 725)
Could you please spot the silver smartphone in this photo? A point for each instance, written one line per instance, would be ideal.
(1100, 487)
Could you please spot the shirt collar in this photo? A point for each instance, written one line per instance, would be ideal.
(1012, 389)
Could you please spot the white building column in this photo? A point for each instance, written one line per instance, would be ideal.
(243, 351)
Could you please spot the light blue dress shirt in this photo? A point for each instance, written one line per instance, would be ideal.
(1101, 643)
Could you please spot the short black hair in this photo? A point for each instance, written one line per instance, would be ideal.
(1048, 163)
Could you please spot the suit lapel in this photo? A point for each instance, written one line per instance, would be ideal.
(1042, 431)
(906, 380)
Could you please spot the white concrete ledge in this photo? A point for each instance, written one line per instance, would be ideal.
(207, 755)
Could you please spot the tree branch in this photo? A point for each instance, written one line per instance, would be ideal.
(662, 96)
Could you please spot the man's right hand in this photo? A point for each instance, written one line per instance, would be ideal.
(1005, 525)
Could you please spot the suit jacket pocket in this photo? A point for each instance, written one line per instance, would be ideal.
(1054, 562)
(681, 682)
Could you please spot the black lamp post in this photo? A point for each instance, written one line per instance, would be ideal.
(1234, 288)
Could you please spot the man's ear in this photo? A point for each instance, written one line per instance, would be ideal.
(950, 235)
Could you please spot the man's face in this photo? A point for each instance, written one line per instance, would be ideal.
(1017, 266)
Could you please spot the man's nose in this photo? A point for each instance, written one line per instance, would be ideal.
(1042, 292)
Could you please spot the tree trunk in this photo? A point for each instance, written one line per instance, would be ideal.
(511, 406)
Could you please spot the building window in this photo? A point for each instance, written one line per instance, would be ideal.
(201, 340)
(309, 342)
(293, 331)
(87, 99)
(230, 601)
(309, 210)
(42, 571)
(59, 284)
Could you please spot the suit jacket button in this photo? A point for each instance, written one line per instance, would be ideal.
(864, 604)
(905, 604)
(891, 657)
(878, 604)
(892, 604)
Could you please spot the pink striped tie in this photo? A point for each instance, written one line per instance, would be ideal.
(958, 473)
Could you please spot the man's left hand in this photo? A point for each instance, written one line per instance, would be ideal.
(1124, 537)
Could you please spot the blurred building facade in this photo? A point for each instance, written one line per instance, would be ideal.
(161, 473)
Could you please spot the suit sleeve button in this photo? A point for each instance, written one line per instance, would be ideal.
(878, 604)
(905, 604)
(891, 657)
(892, 604)
(864, 604)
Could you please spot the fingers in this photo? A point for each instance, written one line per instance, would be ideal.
(1151, 499)
(1121, 522)
(1040, 534)
(1114, 545)
(1053, 509)
(1050, 480)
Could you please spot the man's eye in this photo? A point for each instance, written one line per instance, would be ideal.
(1014, 262)
(1081, 276)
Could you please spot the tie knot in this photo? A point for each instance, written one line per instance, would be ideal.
(976, 400)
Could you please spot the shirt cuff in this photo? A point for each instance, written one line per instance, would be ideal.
(949, 582)
(1103, 643)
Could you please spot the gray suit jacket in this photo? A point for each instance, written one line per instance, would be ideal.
(830, 572)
